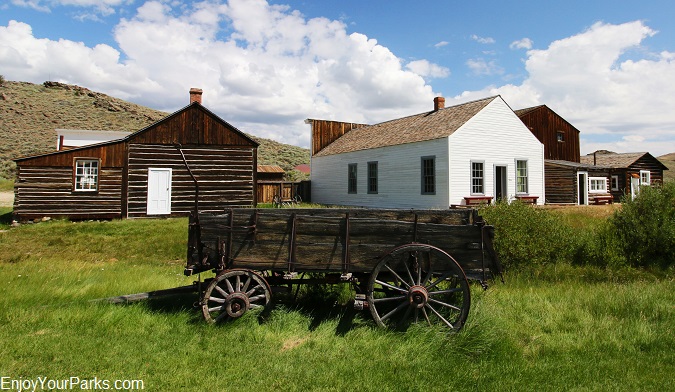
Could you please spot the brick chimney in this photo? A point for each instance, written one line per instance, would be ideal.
(195, 95)
(439, 103)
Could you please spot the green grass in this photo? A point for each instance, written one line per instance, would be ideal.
(6, 185)
(550, 328)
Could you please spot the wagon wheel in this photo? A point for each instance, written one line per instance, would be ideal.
(232, 293)
(418, 283)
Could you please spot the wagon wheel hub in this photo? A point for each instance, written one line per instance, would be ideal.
(236, 304)
(418, 296)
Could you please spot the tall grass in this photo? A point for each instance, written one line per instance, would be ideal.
(552, 326)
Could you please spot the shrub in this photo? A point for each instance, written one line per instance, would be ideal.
(525, 235)
(644, 228)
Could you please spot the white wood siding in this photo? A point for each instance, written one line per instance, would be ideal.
(399, 177)
(497, 137)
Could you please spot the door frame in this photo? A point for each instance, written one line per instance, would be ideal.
(156, 211)
(501, 190)
(582, 188)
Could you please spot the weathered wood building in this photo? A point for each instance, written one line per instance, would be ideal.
(560, 138)
(143, 174)
(628, 171)
(576, 183)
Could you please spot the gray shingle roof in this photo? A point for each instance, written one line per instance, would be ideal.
(613, 160)
(416, 128)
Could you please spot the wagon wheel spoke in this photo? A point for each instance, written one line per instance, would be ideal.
(399, 298)
(437, 292)
(385, 284)
(399, 307)
(230, 289)
(446, 322)
(221, 291)
(453, 307)
(232, 293)
(397, 276)
(426, 316)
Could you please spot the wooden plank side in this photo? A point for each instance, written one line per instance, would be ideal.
(320, 237)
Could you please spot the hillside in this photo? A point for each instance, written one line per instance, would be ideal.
(669, 161)
(29, 114)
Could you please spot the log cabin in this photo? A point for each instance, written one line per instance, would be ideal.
(628, 171)
(143, 174)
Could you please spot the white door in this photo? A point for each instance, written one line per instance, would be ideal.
(634, 186)
(159, 191)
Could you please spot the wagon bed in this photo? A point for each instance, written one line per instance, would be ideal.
(406, 265)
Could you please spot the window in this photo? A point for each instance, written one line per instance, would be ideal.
(597, 185)
(86, 175)
(477, 178)
(561, 136)
(645, 177)
(351, 178)
(521, 176)
(615, 183)
(428, 175)
(372, 177)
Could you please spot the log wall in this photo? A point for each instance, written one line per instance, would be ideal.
(225, 176)
(48, 192)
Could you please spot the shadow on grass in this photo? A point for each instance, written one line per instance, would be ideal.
(319, 309)
(5, 216)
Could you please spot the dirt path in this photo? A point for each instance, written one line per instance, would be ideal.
(6, 199)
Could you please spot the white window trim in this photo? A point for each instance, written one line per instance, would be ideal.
(648, 174)
(597, 179)
(527, 177)
(615, 183)
(84, 178)
(482, 178)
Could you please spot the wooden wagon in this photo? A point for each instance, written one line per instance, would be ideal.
(406, 266)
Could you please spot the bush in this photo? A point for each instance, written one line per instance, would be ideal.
(525, 235)
(644, 229)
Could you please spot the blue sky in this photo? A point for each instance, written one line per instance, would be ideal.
(608, 67)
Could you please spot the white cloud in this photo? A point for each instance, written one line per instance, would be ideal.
(524, 43)
(482, 67)
(426, 69)
(264, 68)
(619, 105)
(483, 40)
(103, 7)
(441, 44)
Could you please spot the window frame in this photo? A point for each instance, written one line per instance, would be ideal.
(596, 180)
(428, 181)
(372, 177)
(480, 179)
(560, 136)
(526, 178)
(614, 183)
(84, 176)
(352, 183)
(648, 175)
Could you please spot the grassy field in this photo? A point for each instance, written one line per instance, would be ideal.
(553, 328)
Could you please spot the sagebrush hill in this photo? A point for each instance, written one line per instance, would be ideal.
(30, 113)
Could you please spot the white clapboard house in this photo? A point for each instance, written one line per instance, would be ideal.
(476, 152)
